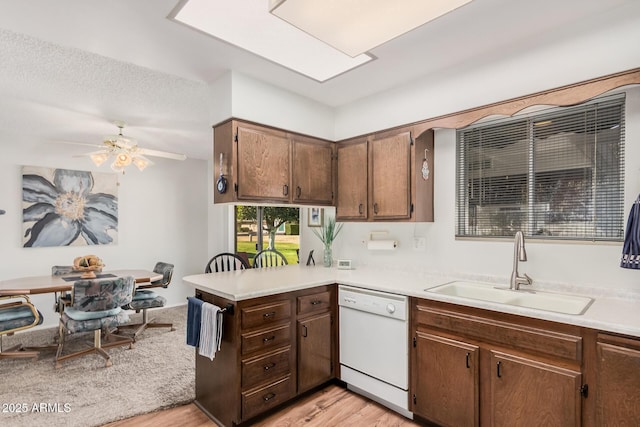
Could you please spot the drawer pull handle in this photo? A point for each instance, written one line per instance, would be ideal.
(360, 211)
(285, 190)
(269, 366)
(498, 372)
(375, 208)
(298, 192)
(267, 339)
(468, 355)
(269, 314)
(316, 302)
(268, 397)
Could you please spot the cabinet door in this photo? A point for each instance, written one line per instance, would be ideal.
(352, 201)
(445, 380)
(312, 172)
(315, 364)
(263, 165)
(532, 393)
(390, 177)
(618, 386)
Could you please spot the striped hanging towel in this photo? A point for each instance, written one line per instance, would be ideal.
(631, 248)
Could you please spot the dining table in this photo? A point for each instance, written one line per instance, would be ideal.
(61, 284)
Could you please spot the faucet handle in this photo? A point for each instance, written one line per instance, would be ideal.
(528, 279)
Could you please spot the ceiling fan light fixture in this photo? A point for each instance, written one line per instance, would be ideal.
(141, 162)
(357, 26)
(99, 158)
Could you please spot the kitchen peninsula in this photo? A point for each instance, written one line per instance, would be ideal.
(241, 383)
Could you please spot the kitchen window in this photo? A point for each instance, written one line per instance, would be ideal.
(555, 174)
(278, 229)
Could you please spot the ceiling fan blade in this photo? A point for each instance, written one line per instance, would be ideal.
(165, 154)
(86, 144)
(89, 154)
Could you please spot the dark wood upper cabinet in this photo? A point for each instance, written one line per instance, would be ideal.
(390, 177)
(267, 165)
(352, 200)
(262, 164)
(312, 164)
(380, 177)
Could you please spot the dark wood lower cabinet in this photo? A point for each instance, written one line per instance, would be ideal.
(528, 392)
(618, 376)
(273, 348)
(445, 380)
(315, 364)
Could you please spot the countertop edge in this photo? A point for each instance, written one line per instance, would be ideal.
(611, 315)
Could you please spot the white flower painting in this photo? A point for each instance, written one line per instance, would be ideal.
(64, 207)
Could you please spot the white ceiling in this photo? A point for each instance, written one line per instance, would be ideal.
(70, 67)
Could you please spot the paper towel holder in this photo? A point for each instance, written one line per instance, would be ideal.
(381, 244)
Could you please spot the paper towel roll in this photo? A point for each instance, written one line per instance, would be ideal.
(382, 244)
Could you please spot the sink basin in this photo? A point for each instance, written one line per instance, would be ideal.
(549, 301)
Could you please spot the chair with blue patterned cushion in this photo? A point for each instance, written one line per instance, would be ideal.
(17, 313)
(96, 306)
(144, 298)
(63, 298)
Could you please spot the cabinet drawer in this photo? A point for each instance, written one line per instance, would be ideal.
(259, 400)
(315, 302)
(266, 338)
(265, 368)
(266, 314)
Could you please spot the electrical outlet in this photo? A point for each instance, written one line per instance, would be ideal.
(420, 244)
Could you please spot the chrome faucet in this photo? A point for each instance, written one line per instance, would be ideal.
(519, 254)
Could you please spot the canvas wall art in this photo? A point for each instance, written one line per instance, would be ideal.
(63, 207)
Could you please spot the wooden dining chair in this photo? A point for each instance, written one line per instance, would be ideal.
(17, 313)
(225, 261)
(269, 258)
(145, 298)
(96, 306)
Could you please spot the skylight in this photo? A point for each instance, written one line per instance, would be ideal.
(248, 24)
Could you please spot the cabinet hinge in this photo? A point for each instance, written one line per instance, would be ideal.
(415, 342)
(414, 399)
(584, 390)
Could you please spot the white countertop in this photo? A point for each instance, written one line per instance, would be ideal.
(606, 313)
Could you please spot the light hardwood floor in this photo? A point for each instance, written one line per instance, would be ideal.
(331, 406)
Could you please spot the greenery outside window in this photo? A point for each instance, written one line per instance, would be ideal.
(279, 229)
(556, 174)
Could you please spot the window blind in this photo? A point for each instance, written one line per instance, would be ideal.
(555, 174)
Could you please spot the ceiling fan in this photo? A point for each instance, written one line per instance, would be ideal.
(125, 151)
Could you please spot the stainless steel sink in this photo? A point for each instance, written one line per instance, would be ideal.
(549, 301)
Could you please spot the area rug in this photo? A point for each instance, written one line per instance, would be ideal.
(158, 373)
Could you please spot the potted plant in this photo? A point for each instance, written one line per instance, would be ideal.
(327, 234)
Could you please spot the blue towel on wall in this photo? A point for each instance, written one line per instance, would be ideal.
(194, 316)
(631, 248)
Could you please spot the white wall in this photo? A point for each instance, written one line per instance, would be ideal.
(162, 217)
(592, 265)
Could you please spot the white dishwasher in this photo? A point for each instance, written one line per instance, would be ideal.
(374, 333)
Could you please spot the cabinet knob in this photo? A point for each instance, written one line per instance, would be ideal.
(267, 339)
(269, 366)
(269, 315)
